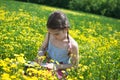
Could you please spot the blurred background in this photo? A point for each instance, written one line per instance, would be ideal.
(109, 8)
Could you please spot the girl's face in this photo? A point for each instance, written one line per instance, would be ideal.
(58, 34)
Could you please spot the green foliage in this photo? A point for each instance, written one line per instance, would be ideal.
(109, 8)
(56, 3)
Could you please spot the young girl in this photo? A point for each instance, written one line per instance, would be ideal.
(60, 46)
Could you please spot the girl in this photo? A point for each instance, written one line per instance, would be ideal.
(60, 46)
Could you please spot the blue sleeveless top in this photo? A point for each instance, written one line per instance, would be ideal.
(58, 54)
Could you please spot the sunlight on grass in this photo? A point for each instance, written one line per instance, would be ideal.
(23, 30)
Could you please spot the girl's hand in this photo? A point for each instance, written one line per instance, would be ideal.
(40, 53)
(39, 57)
(51, 66)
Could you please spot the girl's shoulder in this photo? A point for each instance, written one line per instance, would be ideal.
(74, 44)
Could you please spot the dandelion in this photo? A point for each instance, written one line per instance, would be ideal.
(79, 65)
(84, 68)
(70, 79)
(110, 28)
(68, 69)
(13, 65)
(13, 77)
(81, 77)
(2, 14)
(7, 69)
(20, 9)
(5, 76)
(20, 58)
(20, 71)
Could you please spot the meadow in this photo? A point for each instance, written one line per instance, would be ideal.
(22, 31)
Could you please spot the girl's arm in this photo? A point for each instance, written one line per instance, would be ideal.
(45, 43)
(41, 50)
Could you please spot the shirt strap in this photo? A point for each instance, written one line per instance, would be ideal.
(69, 48)
(47, 43)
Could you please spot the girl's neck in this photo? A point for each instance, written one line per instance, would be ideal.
(63, 44)
(65, 39)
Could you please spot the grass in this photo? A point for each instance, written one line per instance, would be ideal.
(22, 30)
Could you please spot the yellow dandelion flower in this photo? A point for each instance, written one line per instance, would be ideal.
(79, 65)
(2, 14)
(13, 66)
(33, 78)
(68, 69)
(109, 28)
(20, 71)
(7, 69)
(84, 68)
(5, 76)
(70, 79)
(81, 77)
(20, 58)
(13, 77)
(7, 59)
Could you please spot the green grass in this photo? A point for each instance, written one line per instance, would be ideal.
(23, 27)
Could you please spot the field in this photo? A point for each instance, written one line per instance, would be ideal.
(22, 31)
